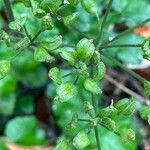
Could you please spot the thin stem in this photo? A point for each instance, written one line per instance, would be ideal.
(97, 138)
(34, 38)
(126, 90)
(125, 32)
(26, 32)
(117, 46)
(66, 75)
(103, 22)
(106, 55)
(9, 10)
(84, 120)
(80, 32)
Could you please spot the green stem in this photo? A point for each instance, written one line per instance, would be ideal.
(125, 32)
(34, 38)
(97, 138)
(9, 10)
(103, 22)
(124, 46)
(106, 55)
(66, 75)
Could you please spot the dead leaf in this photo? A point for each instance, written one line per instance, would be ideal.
(143, 31)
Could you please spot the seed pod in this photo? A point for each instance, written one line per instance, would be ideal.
(107, 112)
(89, 6)
(52, 43)
(108, 123)
(81, 70)
(65, 92)
(50, 5)
(81, 140)
(25, 2)
(68, 20)
(4, 68)
(39, 13)
(145, 113)
(125, 106)
(22, 44)
(5, 37)
(42, 55)
(84, 49)
(87, 106)
(63, 144)
(100, 71)
(55, 75)
(17, 24)
(67, 53)
(47, 23)
(92, 86)
(96, 57)
(128, 136)
(73, 2)
(146, 49)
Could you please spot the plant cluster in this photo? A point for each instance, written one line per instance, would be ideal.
(36, 38)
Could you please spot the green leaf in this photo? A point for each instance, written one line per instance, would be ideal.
(55, 75)
(73, 2)
(17, 25)
(24, 130)
(145, 113)
(81, 140)
(92, 86)
(128, 136)
(7, 104)
(66, 91)
(100, 71)
(25, 104)
(125, 106)
(42, 55)
(146, 49)
(50, 5)
(69, 20)
(4, 68)
(108, 123)
(8, 85)
(47, 23)
(84, 49)
(3, 145)
(63, 144)
(67, 53)
(52, 43)
(89, 5)
(146, 88)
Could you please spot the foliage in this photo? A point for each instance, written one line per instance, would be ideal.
(70, 43)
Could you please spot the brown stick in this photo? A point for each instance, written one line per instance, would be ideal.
(127, 90)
